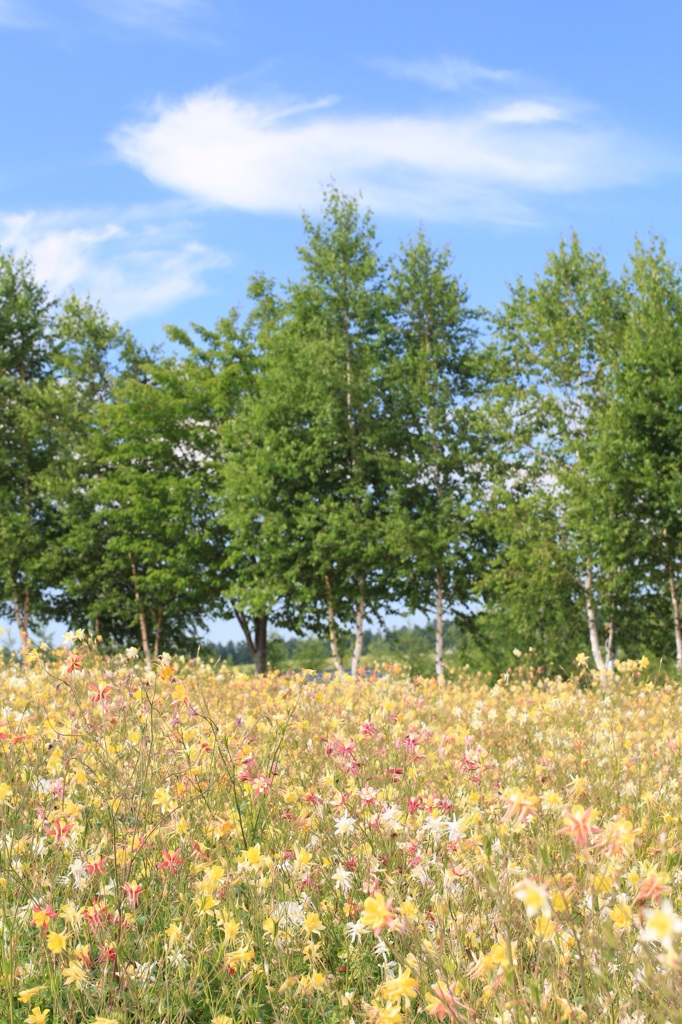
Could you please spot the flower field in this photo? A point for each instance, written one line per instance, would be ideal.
(187, 844)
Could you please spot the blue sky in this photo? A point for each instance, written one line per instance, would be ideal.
(156, 153)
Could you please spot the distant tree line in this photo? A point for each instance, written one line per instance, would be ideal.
(362, 440)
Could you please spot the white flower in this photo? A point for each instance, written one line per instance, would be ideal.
(289, 914)
(344, 825)
(342, 879)
(662, 925)
(382, 950)
(453, 829)
(354, 931)
(434, 826)
(145, 972)
(131, 653)
(390, 819)
(79, 873)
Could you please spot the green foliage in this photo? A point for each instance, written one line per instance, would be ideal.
(28, 442)
(352, 447)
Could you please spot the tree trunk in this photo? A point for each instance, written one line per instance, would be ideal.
(609, 646)
(256, 642)
(261, 656)
(157, 631)
(21, 609)
(144, 636)
(440, 674)
(333, 644)
(592, 624)
(676, 615)
(359, 621)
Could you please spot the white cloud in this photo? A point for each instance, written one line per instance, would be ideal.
(484, 164)
(449, 74)
(160, 15)
(138, 262)
(527, 112)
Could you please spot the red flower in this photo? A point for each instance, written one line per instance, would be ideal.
(171, 861)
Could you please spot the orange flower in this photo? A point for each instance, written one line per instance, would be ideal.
(442, 1002)
(653, 887)
(520, 805)
(578, 825)
(618, 837)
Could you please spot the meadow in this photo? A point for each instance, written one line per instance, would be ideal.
(191, 844)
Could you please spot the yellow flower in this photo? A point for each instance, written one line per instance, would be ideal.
(544, 927)
(163, 800)
(239, 956)
(206, 903)
(103, 1020)
(313, 923)
(222, 1018)
(377, 913)
(388, 1014)
(534, 897)
(402, 987)
(662, 924)
(74, 975)
(621, 916)
(303, 857)
(5, 793)
(408, 910)
(496, 957)
(309, 983)
(37, 1016)
(602, 883)
(174, 933)
(228, 924)
(28, 993)
(252, 858)
(56, 942)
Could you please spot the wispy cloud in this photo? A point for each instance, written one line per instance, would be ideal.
(159, 15)
(137, 262)
(451, 74)
(18, 14)
(486, 163)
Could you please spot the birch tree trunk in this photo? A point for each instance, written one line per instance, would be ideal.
(157, 631)
(592, 624)
(21, 608)
(144, 636)
(609, 646)
(440, 674)
(674, 598)
(333, 642)
(359, 621)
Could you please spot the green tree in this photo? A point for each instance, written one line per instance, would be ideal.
(28, 521)
(304, 475)
(139, 541)
(643, 459)
(559, 338)
(222, 366)
(433, 378)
